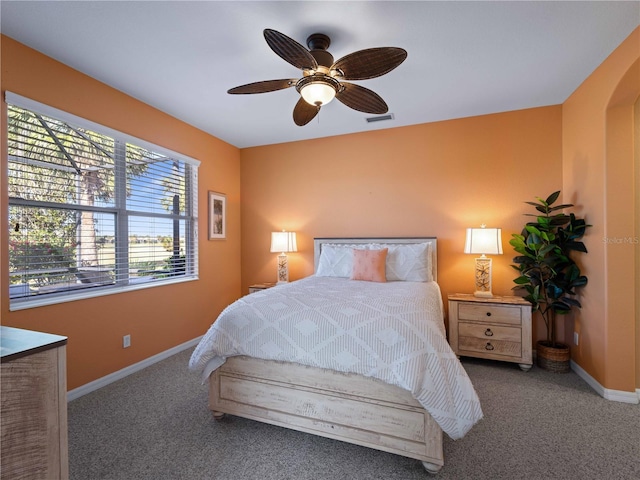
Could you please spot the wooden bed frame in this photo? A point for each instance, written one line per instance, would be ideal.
(347, 407)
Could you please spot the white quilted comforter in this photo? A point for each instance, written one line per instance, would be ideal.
(392, 331)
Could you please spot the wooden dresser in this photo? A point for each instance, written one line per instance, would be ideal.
(497, 328)
(33, 405)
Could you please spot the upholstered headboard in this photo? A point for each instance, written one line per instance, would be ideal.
(318, 242)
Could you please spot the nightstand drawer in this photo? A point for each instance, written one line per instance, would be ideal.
(490, 347)
(489, 332)
(490, 313)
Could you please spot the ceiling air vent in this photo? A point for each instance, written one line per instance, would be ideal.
(380, 118)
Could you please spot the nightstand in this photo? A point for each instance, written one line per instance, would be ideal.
(260, 286)
(497, 328)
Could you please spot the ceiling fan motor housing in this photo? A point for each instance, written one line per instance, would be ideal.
(318, 41)
(318, 44)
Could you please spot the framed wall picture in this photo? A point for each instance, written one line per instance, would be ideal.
(217, 216)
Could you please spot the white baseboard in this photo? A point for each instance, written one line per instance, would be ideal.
(614, 395)
(136, 367)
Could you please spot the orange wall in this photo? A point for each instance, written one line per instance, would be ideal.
(157, 318)
(599, 174)
(433, 179)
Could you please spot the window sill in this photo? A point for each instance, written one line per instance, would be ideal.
(91, 293)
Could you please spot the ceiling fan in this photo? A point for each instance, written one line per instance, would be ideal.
(323, 79)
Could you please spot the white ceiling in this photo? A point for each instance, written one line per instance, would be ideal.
(465, 58)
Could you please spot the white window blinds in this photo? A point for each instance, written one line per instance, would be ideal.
(92, 210)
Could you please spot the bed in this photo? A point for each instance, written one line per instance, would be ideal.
(365, 362)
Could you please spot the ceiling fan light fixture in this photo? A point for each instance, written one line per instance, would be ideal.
(318, 90)
(318, 93)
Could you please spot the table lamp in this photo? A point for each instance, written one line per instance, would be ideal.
(283, 242)
(483, 241)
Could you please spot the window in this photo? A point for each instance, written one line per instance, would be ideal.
(91, 210)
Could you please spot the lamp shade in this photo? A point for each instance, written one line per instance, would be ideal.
(484, 241)
(283, 242)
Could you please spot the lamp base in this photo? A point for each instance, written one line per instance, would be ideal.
(483, 277)
(283, 269)
(483, 294)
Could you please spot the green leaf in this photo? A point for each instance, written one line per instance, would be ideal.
(523, 259)
(573, 302)
(578, 223)
(533, 241)
(532, 229)
(580, 281)
(517, 241)
(544, 221)
(572, 273)
(542, 209)
(577, 246)
(547, 249)
(553, 291)
(560, 207)
(553, 197)
(522, 280)
(559, 219)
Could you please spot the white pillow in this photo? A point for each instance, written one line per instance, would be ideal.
(408, 262)
(336, 260)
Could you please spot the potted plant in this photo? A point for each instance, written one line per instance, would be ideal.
(548, 273)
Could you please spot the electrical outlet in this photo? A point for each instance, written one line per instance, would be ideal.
(575, 338)
(126, 341)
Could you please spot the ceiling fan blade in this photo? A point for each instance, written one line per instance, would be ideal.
(290, 50)
(369, 63)
(303, 112)
(264, 86)
(361, 99)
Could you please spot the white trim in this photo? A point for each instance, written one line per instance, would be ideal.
(606, 393)
(136, 367)
(35, 106)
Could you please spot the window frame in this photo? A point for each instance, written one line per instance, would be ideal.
(121, 213)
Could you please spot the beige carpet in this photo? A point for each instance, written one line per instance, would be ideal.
(155, 425)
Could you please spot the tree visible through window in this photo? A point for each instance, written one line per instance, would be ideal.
(90, 208)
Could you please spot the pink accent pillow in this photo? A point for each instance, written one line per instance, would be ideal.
(369, 265)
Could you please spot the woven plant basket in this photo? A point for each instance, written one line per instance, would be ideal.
(553, 359)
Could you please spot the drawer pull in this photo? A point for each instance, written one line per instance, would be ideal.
(488, 314)
(488, 332)
(488, 346)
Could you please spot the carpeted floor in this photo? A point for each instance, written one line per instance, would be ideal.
(155, 425)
